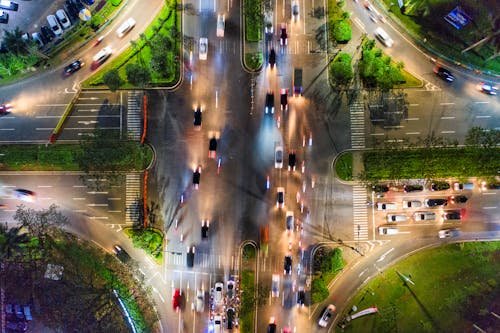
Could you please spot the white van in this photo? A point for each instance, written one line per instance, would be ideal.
(54, 25)
(125, 27)
(387, 231)
(383, 37)
(424, 216)
(386, 206)
(392, 218)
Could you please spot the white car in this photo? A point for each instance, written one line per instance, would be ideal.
(25, 195)
(217, 324)
(424, 216)
(391, 218)
(200, 300)
(63, 18)
(412, 204)
(278, 157)
(54, 25)
(102, 55)
(327, 315)
(275, 286)
(125, 27)
(295, 10)
(219, 286)
(203, 48)
(386, 206)
(221, 23)
(231, 286)
(447, 233)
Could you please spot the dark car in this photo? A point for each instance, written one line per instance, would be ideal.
(212, 148)
(301, 297)
(271, 328)
(197, 118)
(452, 215)
(284, 99)
(454, 199)
(4, 17)
(435, 202)
(283, 35)
(444, 74)
(270, 103)
(204, 229)
(230, 318)
(16, 326)
(380, 188)
(72, 9)
(272, 58)
(196, 177)
(440, 186)
(121, 254)
(412, 188)
(287, 266)
(487, 88)
(73, 67)
(190, 256)
(88, 2)
(47, 33)
(291, 160)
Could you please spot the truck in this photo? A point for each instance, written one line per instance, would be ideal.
(297, 82)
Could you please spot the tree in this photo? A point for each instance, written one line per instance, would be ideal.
(342, 32)
(137, 75)
(112, 79)
(14, 42)
(341, 69)
(10, 241)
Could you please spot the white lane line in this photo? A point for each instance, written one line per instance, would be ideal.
(377, 134)
(449, 117)
(97, 205)
(79, 198)
(483, 116)
(414, 104)
(479, 102)
(44, 186)
(114, 198)
(382, 257)
(447, 103)
(79, 210)
(447, 132)
(363, 272)
(412, 133)
(79, 186)
(114, 211)
(7, 129)
(98, 217)
(397, 126)
(488, 193)
(360, 24)
(412, 119)
(490, 207)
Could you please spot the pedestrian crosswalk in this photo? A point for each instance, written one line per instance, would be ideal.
(134, 115)
(360, 213)
(357, 113)
(132, 195)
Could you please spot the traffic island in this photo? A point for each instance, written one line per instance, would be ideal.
(450, 288)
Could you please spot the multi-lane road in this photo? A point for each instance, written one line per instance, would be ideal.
(233, 194)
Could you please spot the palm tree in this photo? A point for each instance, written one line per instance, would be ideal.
(14, 42)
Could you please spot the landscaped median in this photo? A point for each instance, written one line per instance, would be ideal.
(68, 157)
(149, 239)
(454, 288)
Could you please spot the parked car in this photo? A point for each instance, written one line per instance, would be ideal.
(412, 188)
(230, 314)
(54, 25)
(457, 199)
(452, 215)
(463, 186)
(217, 324)
(326, 315)
(37, 37)
(444, 74)
(386, 206)
(230, 288)
(380, 188)
(391, 218)
(435, 202)
(447, 233)
(47, 33)
(4, 17)
(412, 204)
(424, 216)
(9, 5)
(440, 186)
(490, 186)
(387, 231)
(63, 18)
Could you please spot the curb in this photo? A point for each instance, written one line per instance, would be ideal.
(67, 112)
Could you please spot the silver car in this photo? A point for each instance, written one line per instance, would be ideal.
(219, 286)
(424, 216)
(412, 204)
(200, 300)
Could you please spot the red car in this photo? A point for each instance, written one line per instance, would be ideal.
(176, 300)
(5, 108)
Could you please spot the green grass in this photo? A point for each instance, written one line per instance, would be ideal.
(253, 20)
(247, 301)
(431, 163)
(59, 157)
(453, 285)
(343, 166)
(130, 55)
(254, 60)
(445, 39)
(410, 80)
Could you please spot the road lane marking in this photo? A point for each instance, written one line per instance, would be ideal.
(79, 186)
(483, 116)
(98, 217)
(414, 104)
(412, 133)
(363, 272)
(114, 198)
(396, 126)
(447, 132)
(449, 117)
(94, 192)
(487, 193)
(44, 186)
(490, 207)
(480, 102)
(97, 205)
(377, 134)
(7, 129)
(382, 257)
(79, 210)
(447, 103)
(407, 119)
(360, 24)
(79, 198)
(114, 211)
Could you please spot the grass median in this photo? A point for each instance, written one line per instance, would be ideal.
(64, 157)
(454, 286)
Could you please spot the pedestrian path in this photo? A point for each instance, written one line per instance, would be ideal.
(132, 194)
(360, 213)
(357, 113)
(134, 115)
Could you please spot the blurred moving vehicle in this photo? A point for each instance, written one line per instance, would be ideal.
(283, 35)
(287, 265)
(289, 221)
(205, 224)
(121, 254)
(221, 23)
(269, 102)
(5, 108)
(447, 233)
(217, 324)
(275, 286)
(230, 288)
(200, 300)
(272, 58)
(128, 25)
(278, 157)
(25, 195)
(176, 300)
(203, 48)
(327, 315)
(284, 99)
(101, 57)
(196, 177)
(301, 297)
(383, 37)
(197, 118)
(73, 67)
(295, 10)
(280, 197)
(271, 328)
(291, 160)
(190, 256)
(212, 148)
(444, 74)
(487, 88)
